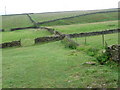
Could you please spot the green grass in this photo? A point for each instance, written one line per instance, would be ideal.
(99, 17)
(88, 27)
(23, 34)
(97, 41)
(15, 21)
(18, 21)
(93, 46)
(40, 17)
(0, 64)
(52, 65)
(0, 22)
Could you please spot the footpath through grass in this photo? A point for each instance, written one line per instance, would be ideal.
(88, 27)
(51, 65)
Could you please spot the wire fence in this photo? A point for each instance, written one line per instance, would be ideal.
(99, 40)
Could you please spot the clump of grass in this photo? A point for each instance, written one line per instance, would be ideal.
(69, 43)
(91, 51)
(103, 58)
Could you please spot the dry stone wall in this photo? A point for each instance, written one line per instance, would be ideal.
(2, 30)
(93, 33)
(10, 44)
(58, 36)
(34, 23)
(52, 31)
(114, 52)
(75, 16)
(32, 27)
(48, 39)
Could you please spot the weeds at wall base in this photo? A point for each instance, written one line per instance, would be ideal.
(100, 56)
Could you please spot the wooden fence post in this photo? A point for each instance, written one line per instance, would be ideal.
(85, 40)
(76, 39)
(103, 39)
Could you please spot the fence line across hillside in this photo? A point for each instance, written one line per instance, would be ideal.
(93, 33)
(75, 16)
(59, 37)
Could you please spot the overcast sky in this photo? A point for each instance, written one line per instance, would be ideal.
(38, 6)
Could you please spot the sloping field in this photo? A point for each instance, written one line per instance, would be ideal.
(88, 27)
(40, 17)
(98, 17)
(15, 21)
(22, 20)
(53, 66)
(24, 34)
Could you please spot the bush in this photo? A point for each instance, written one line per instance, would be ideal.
(69, 43)
(101, 57)
(92, 51)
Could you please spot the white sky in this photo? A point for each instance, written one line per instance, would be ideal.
(37, 6)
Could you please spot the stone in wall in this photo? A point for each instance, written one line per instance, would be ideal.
(1, 30)
(48, 39)
(114, 52)
(93, 33)
(10, 44)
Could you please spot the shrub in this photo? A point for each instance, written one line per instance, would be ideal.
(100, 56)
(92, 51)
(69, 43)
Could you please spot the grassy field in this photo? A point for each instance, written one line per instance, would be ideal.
(24, 34)
(0, 68)
(99, 17)
(52, 65)
(15, 21)
(0, 22)
(40, 17)
(0, 55)
(88, 27)
(97, 41)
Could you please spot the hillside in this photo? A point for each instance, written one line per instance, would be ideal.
(41, 17)
(39, 50)
(84, 18)
(22, 20)
(87, 27)
(15, 21)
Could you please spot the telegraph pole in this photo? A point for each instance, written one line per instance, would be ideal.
(5, 10)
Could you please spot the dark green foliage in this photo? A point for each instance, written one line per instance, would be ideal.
(103, 58)
(92, 51)
(69, 43)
